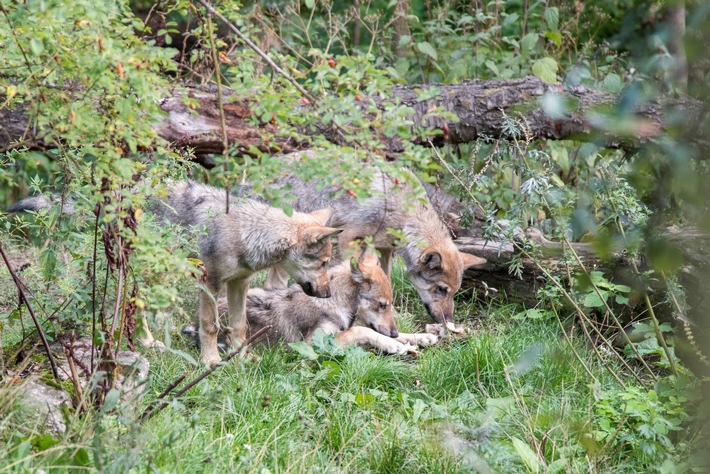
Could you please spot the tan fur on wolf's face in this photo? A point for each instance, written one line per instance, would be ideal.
(375, 297)
(307, 261)
(437, 277)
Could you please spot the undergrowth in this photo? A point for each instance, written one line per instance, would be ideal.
(509, 396)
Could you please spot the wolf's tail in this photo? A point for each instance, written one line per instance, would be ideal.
(41, 201)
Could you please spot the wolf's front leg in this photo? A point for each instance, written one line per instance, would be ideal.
(237, 304)
(365, 336)
(207, 312)
(418, 339)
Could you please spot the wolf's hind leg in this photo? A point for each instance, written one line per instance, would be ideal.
(277, 279)
(207, 312)
(237, 304)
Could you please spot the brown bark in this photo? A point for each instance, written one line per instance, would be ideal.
(495, 279)
(477, 104)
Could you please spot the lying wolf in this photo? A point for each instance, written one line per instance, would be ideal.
(434, 265)
(360, 292)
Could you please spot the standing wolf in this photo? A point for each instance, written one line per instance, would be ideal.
(251, 237)
(360, 292)
(434, 265)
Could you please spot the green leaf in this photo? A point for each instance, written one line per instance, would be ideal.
(554, 36)
(621, 299)
(427, 49)
(310, 4)
(492, 66)
(532, 313)
(36, 46)
(111, 400)
(612, 82)
(81, 458)
(304, 350)
(364, 401)
(530, 459)
(48, 263)
(552, 18)
(592, 300)
(528, 43)
(546, 69)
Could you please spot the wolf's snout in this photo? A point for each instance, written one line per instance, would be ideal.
(308, 288)
(312, 290)
(440, 314)
(394, 333)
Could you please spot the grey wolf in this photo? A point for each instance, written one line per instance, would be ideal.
(361, 292)
(434, 265)
(251, 237)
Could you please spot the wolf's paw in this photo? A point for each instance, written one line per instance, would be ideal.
(389, 345)
(210, 358)
(419, 339)
(457, 328)
(158, 346)
(234, 340)
(436, 329)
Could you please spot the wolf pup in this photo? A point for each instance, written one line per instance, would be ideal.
(434, 265)
(360, 292)
(251, 237)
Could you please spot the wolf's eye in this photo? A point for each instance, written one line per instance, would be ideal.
(383, 306)
(442, 290)
(323, 265)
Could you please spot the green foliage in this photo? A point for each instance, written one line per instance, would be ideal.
(514, 396)
(642, 424)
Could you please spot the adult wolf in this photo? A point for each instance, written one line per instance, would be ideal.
(434, 265)
(360, 292)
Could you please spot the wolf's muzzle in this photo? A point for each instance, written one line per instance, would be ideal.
(311, 290)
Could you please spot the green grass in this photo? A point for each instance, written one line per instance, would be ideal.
(509, 396)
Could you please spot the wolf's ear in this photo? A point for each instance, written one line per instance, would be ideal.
(315, 233)
(358, 271)
(431, 258)
(322, 215)
(471, 260)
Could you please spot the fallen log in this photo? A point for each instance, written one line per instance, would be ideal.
(477, 105)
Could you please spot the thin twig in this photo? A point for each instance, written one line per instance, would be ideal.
(97, 211)
(23, 297)
(478, 378)
(220, 103)
(270, 62)
(256, 49)
(150, 411)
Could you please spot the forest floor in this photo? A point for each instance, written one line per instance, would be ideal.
(510, 395)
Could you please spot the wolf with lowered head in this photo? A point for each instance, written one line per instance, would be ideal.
(361, 292)
(434, 264)
(250, 237)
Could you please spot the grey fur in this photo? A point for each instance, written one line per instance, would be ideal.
(361, 293)
(251, 237)
(434, 263)
(41, 201)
